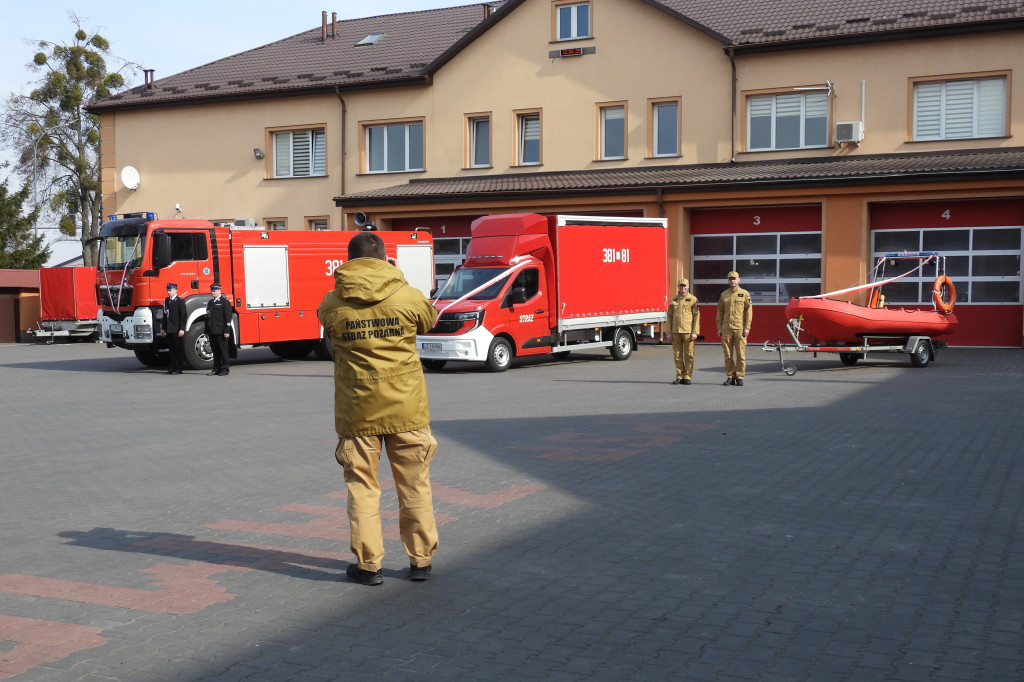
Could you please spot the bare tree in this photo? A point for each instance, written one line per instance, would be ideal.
(56, 139)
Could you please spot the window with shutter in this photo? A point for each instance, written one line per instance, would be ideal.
(787, 121)
(529, 139)
(959, 109)
(299, 153)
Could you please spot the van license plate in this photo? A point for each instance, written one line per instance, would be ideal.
(431, 346)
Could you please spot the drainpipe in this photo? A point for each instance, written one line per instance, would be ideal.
(732, 136)
(344, 111)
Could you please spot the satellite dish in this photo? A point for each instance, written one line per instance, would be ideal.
(130, 177)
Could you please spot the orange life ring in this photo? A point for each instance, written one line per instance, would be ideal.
(874, 297)
(937, 291)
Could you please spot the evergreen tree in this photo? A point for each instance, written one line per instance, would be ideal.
(19, 247)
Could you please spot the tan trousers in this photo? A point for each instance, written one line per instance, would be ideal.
(682, 351)
(409, 453)
(734, 345)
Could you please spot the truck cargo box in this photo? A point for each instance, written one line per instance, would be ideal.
(67, 293)
(609, 269)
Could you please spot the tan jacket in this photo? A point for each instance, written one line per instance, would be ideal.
(735, 311)
(683, 315)
(373, 317)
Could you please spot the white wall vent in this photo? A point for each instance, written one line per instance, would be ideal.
(849, 131)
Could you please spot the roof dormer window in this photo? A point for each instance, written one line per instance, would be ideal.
(370, 39)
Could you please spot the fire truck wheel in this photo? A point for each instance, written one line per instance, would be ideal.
(433, 365)
(198, 353)
(499, 355)
(152, 358)
(324, 349)
(291, 350)
(622, 345)
(849, 359)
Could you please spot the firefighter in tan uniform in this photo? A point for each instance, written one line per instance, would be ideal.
(684, 324)
(380, 398)
(735, 313)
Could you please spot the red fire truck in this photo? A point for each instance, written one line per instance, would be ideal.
(535, 284)
(275, 279)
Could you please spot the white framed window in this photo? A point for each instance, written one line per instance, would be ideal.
(775, 266)
(299, 153)
(984, 263)
(959, 109)
(480, 142)
(394, 147)
(664, 128)
(787, 121)
(572, 20)
(612, 143)
(318, 224)
(276, 223)
(529, 141)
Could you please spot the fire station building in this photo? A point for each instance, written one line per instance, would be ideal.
(792, 142)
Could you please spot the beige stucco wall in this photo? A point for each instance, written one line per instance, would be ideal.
(201, 157)
(887, 70)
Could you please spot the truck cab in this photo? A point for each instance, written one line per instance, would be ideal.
(535, 285)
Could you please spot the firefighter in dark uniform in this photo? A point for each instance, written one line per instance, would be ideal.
(173, 328)
(218, 328)
(735, 313)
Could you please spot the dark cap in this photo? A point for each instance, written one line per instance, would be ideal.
(172, 285)
(214, 287)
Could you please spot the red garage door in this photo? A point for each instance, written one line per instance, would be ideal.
(982, 241)
(775, 249)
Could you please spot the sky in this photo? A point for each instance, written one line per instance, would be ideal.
(169, 37)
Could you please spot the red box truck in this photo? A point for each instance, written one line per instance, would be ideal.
(534, 284)
(275, 279)
(67, 304)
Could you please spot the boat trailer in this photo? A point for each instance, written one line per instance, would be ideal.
(921, 349)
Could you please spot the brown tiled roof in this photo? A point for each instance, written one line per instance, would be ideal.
(19, 279)
(416, 44)
(308, 63)
(869, 169)
(765, 22)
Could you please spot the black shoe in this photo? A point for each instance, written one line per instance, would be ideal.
(737, 382)
(419, 573)
(223, 373)
(677, 381)
(729, 382)
(685, 382)
(170, 371)
(213, 373)
(358, 575)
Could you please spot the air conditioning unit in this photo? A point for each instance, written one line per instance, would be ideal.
(849, 131)
(245, 222)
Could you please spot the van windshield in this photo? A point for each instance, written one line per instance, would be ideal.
(465, 280)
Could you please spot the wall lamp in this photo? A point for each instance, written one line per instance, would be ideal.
(258, 153)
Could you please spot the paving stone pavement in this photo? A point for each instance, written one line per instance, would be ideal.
(597, 523)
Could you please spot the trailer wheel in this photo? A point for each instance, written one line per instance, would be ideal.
(433, 365)
(291, 350)
(198, 353)
(153, 358)
(849, 359)
(622, 345)
(922, 354)
(324, 348)
(499, 355)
